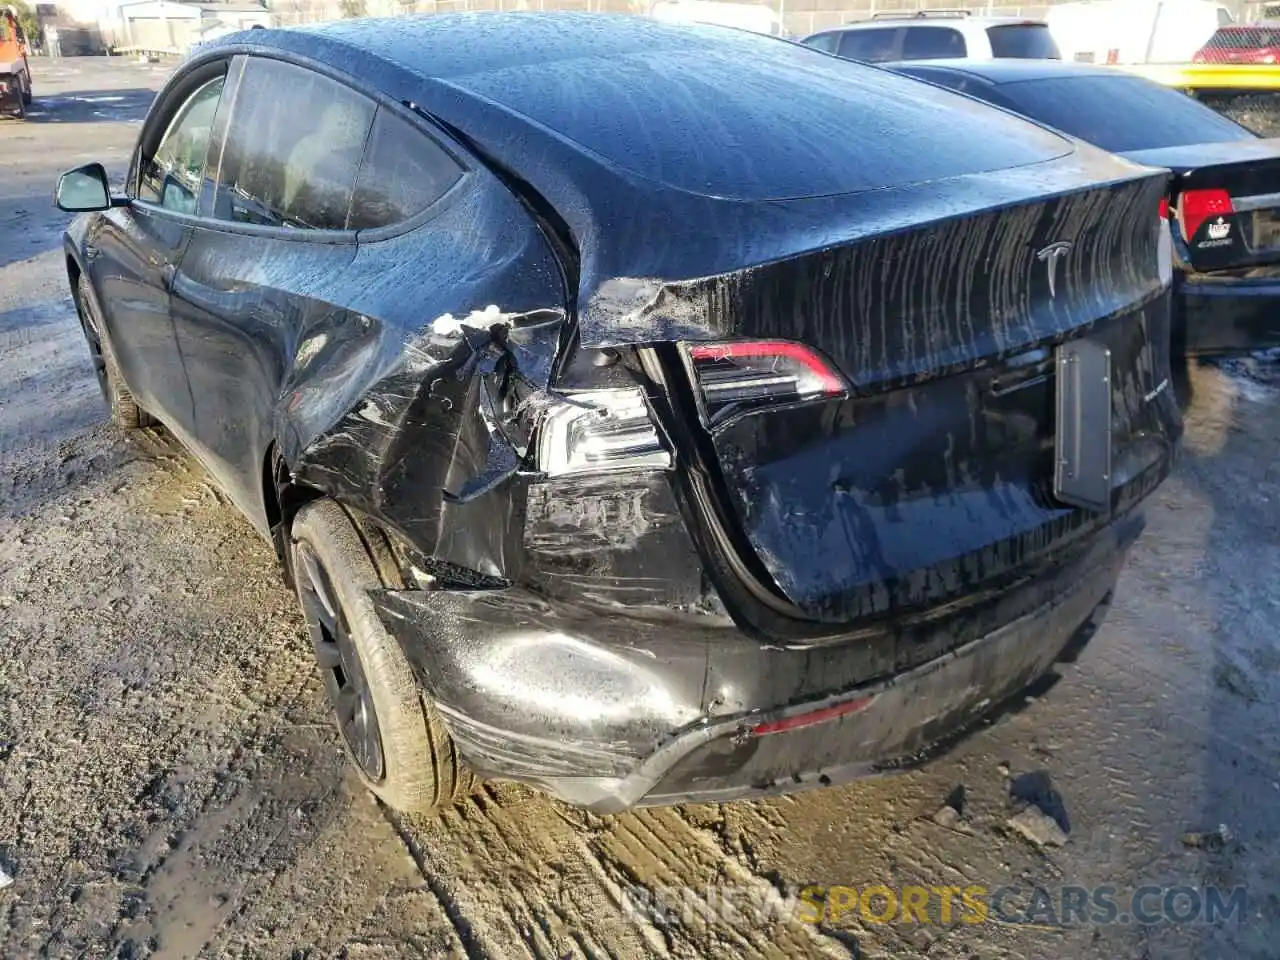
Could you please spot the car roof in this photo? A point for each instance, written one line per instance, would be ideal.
(456, 46)
(933, 20)
(1013, 70)
(631, 93)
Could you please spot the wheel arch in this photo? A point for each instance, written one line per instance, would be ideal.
(283, 495)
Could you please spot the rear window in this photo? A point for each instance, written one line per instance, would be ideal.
(747, 117)
(292, 150)
(932, 43)
(870, 46)
(1023, 41)
(1121, 113)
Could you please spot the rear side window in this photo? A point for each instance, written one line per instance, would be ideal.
(932, 43)
(293, 149)
(1121, 113)
(1023, 41)
(172, 176)
(826, 42)
(870, 46)
(403, 173)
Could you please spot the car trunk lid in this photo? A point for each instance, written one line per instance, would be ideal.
(1225, 198)
(931, 477)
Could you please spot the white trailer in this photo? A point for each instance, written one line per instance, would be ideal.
(1134, 31)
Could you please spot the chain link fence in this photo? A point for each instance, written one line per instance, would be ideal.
(1199, 46)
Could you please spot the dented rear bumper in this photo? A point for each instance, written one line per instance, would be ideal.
(609, 711)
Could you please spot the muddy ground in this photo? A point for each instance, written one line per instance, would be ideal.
(169, 785)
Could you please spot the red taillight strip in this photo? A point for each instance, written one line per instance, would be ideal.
(1164, 209)
(809, 719)
(786, 349)
(1197, 206)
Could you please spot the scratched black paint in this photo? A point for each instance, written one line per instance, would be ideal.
(592, 635)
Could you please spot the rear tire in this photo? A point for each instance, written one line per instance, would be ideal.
(26, 93)
(414, 766)
(125, 412)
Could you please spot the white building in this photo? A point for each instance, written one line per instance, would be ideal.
(166, 25)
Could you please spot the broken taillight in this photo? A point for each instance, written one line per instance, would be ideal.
(737, 376)
(1197, 206)
(594, 431)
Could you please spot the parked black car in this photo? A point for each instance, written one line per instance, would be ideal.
(1224, 201)
(593, 379)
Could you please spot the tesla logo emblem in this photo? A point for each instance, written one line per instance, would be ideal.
(1050, 256)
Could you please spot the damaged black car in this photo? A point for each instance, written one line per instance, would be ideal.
(642, 412)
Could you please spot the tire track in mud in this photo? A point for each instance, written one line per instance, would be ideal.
(216, 703)
(522, 876)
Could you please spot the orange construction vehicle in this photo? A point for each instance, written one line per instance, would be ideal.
(15, 74)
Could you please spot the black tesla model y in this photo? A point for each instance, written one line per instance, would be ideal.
(643, 412)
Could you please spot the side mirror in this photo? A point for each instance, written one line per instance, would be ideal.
(83, 189)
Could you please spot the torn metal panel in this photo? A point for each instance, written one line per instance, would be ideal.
(617, 542)
(409, 414)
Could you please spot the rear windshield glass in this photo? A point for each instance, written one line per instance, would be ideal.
(1121, 113)
(1244, 38)
(735, 115)
(1023, 41)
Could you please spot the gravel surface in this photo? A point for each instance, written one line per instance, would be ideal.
(170, 786)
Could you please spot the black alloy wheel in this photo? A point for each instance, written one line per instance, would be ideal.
(344, 679)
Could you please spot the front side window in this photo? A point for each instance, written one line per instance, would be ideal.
(932, 43)
(173, 174)
(403, 173)
(293, 149)
(870, 46)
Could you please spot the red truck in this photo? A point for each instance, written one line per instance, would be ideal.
(1249, 43)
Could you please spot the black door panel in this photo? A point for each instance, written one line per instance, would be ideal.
(241, 305)
(132, 258)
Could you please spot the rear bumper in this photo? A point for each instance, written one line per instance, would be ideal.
(609, 712)
(1219, 314)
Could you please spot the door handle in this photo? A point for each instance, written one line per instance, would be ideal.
(166, 275)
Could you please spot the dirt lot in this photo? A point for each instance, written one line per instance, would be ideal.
(169, 785)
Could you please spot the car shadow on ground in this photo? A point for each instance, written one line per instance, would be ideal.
(30, 230)
(91, 106)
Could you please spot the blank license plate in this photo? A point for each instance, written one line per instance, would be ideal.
(1266, 229)
(1082, 462)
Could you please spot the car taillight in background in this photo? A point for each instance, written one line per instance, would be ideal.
(738, 376)
(1197, 206)
(598, 431)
